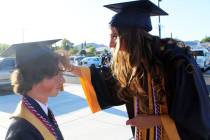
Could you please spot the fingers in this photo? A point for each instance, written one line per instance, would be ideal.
(132, 122)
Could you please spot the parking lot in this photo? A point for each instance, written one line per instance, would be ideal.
(74, 117)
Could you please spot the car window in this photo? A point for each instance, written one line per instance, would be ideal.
(198, 53)
(7, 64)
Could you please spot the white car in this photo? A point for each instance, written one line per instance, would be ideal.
(76, 60)
(7, 65)
(91, 61)
(202, 57)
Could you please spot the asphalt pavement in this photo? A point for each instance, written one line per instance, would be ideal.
(74, 116)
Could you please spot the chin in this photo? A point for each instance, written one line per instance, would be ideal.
(53, 94)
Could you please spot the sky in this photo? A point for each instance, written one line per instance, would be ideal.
(87, 20)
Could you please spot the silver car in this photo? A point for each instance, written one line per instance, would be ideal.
(7, 65)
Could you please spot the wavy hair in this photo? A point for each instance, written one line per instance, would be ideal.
(131, 64)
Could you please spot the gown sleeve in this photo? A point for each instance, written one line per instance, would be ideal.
(100, 88)
(188, 98)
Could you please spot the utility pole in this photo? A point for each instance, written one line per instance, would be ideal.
(23, 34)
(159, 25)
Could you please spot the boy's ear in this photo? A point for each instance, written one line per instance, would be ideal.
(62, 88)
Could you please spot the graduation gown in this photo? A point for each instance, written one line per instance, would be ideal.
(188, 97)
(27, 126)
(188, 104)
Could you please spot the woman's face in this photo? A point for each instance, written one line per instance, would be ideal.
(113, 37)
(115, 40)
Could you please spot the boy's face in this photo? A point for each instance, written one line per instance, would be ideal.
(51, 86)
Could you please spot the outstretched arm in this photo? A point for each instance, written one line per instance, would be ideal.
(74, 69)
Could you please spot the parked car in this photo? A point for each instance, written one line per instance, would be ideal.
(202, 57)
(7, 65)
(91, 61)
(76, 60)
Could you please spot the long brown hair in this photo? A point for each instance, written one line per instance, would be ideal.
(131, 63)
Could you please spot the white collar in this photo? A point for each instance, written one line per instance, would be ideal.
(43, 106)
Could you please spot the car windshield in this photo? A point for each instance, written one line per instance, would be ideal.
(1, 59)
(198, 53)
(79, 58)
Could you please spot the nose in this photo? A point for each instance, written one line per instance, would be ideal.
(112, 43)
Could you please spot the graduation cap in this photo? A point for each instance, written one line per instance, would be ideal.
(12, 49)
(27, 55)
(134, 14)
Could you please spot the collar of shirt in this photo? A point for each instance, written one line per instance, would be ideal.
(43, 106)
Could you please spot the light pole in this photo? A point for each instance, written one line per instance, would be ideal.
(23, 34)
(159, 25)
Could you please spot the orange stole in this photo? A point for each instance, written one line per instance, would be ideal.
(22, 112)
(168, 128)
(89, 91)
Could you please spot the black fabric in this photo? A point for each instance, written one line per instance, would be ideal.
(188, 97)
(105, 87)
(17, 130)
(130, 110)
(21, 129)
(51, 119)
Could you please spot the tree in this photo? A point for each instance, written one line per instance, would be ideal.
(91, 50)
(66, 44)
(73, 51)
(3, 47)
(206, 39)
(83, 52)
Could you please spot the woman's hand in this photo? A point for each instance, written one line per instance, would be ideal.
(76, 70)
(144, 121)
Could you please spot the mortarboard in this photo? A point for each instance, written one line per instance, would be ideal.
(134, 14)
(26, 55)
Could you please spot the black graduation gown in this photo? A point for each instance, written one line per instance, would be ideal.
(106, 88)
(21, 129)
(188, 99)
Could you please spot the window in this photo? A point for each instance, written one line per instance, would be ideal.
(7, 64)
(198, 53)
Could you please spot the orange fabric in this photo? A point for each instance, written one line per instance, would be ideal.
(170, 127)
(151, 133)
(151, 106)
(89, 90)
(62, 87)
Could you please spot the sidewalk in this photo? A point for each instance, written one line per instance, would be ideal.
(74, 117)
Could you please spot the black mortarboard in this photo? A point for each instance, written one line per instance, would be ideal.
(134, 14)
(26, 55)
